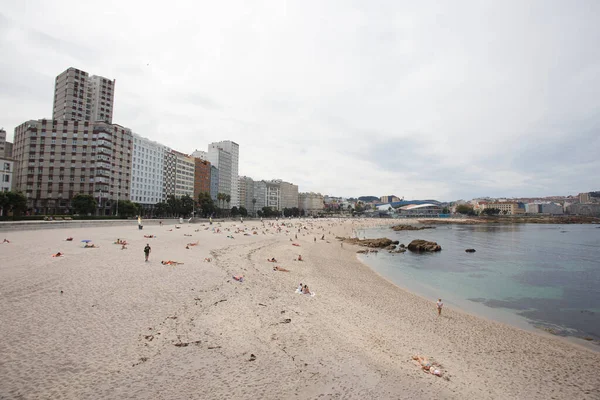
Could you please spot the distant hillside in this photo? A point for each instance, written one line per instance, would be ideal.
(367, 199)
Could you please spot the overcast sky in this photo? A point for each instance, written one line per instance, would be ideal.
(444, 100)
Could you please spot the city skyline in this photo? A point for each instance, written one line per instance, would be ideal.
(425, 101)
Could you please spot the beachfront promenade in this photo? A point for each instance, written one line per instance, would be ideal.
(102, 323)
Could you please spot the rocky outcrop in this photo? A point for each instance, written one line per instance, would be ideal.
(420, 245)
(373, 243)
(411, 227)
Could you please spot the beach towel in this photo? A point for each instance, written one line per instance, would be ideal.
(238, 278)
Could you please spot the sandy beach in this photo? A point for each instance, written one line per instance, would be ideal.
(100, 323)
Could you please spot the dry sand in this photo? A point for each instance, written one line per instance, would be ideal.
(126, 329)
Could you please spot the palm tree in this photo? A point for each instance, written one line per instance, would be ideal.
(254, 207)
(228, 200)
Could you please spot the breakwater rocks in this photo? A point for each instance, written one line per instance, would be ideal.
(419, 245)
(410, 227)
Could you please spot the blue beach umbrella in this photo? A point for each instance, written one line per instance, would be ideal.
(86, 240)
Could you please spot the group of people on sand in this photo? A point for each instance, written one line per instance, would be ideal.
(303, 289)
(170, 262)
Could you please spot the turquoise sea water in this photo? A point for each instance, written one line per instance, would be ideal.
(547, 276)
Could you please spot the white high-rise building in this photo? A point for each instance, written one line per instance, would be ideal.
(147, 168)
(228, 174)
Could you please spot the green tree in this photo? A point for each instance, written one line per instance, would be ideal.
(127, 208)
(465, 209)
(490, 211)
(3, 202)
(243, 211)
(83, 204)
(228, 200)
(174, 204)
(161, 209)
(254, 206)
(234, 211)
(186, 205)
(206, 204)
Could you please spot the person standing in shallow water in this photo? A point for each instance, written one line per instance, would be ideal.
(439, 306)
(147, 251)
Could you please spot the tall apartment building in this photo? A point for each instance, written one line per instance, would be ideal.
(55, 160)
(80, 97)
(6, 174)
(273, 199)
(228, 171)
(169, 168)
(184, 174)
(147, 169)
(6, 148)
(311, 203)
(260, 194)
(214, 182)
(289, 195)
(246, 192)
(201, 177)
(221, 159)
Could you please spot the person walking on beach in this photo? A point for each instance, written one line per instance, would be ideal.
(147, 251)
(439, 306)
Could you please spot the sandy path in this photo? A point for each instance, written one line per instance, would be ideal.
(128, 329)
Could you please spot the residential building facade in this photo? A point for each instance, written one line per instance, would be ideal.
(310, 203)
(169, 167)
(6, 174)
(273, 199)
(147, 169)
(5, 147)
(201, 177)
(508, 208)
(228, 172)
(289, 195)
(221, 159)
(57, 159)
(214, 182)
(80, 97)
(184, 174)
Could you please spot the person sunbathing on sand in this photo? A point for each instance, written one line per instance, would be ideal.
(149, 236)
(238, 278)
(194, 244)
(123, 247)
(272, 260)
(59, 254)
(69, 239)
(276, 268)
(6, 241)
(90, 246)
(169, 262)
(300, 257)
(207, 259)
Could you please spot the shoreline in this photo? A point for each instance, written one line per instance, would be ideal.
(190, 330)
(499, 315)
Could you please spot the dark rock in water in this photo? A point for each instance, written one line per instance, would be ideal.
(420, 245)
(396, 242)
(398, 250)
(374, 243)
(402, 245)
(470, 250)
(411, 227)
(390, 247)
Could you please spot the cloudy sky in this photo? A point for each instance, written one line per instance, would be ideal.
(422, 99)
